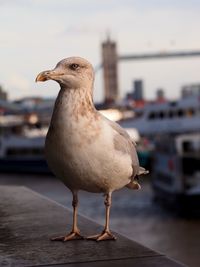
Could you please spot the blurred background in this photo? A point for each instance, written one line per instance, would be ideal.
(146, 56)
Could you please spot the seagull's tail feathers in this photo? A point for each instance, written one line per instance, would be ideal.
(142, 171)
(134, 185)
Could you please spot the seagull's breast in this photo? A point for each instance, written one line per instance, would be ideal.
(81, 153)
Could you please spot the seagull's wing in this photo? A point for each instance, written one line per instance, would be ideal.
(124, 143)
(121, 131)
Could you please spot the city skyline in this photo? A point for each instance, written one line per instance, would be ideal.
(35, 35)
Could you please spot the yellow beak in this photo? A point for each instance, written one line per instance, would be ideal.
(48, 75)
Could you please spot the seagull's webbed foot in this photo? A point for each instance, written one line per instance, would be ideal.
(74, 235)
(105, 235)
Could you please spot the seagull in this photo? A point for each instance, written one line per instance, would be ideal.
(84, 149)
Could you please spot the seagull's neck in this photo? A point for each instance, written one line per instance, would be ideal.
(74, 103)
(79, 98)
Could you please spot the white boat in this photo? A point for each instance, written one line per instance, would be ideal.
(176, 172)
(179, 116)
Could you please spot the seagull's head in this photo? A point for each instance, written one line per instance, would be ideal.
(70, 73)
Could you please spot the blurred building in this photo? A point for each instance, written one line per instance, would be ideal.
(185, 92)
(7, 107)
(29, 102)
(138, 90)
(190, 90)
(135, 98)
(36, 109)
(3, 94)
(160, 96)
(110, 72)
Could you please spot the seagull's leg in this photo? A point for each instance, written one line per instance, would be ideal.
(75, 232)
(106, 234)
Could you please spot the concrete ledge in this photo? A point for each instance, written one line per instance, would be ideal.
(28, 220)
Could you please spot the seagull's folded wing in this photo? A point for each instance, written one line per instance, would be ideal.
(127, 145)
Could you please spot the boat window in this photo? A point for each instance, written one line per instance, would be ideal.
(190, 112)
(139, 114)
(161, 114)
(152, 116)
(190, 165)
(191, 147)
(173, 103)
(24, 151)
(165, 179)
(180, 113)
(165, 145)
(16, 130)
(172, 114)
(187, 147)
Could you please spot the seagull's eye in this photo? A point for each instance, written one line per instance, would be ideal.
(74, 66)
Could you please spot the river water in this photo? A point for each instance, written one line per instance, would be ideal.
(133, 214)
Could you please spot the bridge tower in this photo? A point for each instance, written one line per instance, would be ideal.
(110, 71)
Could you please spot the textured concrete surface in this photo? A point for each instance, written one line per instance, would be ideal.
(133, 214)
(28, 220)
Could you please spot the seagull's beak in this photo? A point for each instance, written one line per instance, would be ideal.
(48, 75)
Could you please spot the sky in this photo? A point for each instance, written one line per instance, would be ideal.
(36, 34)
